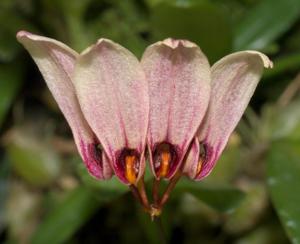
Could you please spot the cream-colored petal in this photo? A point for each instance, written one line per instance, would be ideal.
(56, 62)
(234, 80)
(178, 74)
(113, 95)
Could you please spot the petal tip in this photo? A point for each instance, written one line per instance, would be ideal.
(264, 58)
(30, 41)
(100, 42)
(175, 43)
(21, 34)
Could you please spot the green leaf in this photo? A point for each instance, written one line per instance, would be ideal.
(73, 15)
(61, 223)
(224, 199)
(22, 211)
(268, 233)
(10, 80)
(4, 187)
(128, 33)
(199, 21)
(228, 164)
(250, 210)
(265, 22)
(32, 159)
(108, 189)
(285, 122)
(283, 170)
(9, 47)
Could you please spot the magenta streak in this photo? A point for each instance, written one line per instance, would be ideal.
(212, 155)
(119, 168)
(92, 161)
(176, 163)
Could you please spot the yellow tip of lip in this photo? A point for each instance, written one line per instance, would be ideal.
(130, 173)
(165, 164)
(199, 166)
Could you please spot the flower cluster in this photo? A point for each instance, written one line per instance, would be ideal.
(171, 104)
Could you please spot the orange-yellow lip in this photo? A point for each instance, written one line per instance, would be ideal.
(165, 164)
(130, 170)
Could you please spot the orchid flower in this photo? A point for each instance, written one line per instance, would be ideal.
(171, 102)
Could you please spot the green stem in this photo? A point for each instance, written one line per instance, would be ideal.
(160, 230)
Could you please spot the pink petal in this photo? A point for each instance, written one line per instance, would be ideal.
(56, 62)
(234, 80)
(113, 95)
(191, 161)
(179, 85)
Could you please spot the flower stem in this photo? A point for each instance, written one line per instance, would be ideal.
(160, 230)
(155, 191)
(142, 193)
(155, 209)
(169, 189)
(135, 193)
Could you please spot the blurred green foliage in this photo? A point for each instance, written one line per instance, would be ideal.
(264, 23)
(252, 196)
(190, 20)
(284, 185)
